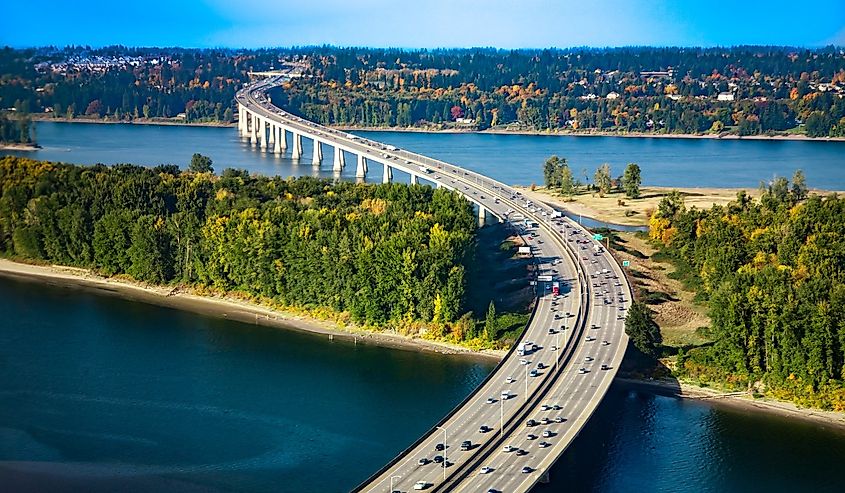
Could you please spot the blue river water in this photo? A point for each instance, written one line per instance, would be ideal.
(101, 393)
(513, 159)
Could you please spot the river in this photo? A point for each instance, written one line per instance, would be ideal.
(102, 393)
(513, 159)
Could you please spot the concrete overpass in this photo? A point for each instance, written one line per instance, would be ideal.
(579, 336)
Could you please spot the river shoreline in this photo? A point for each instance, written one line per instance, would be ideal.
(564, 133)
(249, 312)
(19, 147)
(228, 308)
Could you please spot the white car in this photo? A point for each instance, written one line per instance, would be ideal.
(590, 339)
(509, 448)
(421, 485)
(486, 469)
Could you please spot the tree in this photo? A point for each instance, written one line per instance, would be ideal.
(799, 185)
(456, 112)
(490, 322)
(642, 329)
(567, 182)
(602, 179)
(551, 172)
(200, 164)
(631, 181)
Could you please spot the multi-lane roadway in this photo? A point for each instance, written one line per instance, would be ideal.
(579, 336)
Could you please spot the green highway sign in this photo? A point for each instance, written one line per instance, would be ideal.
(626, 263)
(598, 237)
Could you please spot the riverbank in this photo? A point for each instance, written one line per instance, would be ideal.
(228, 307)
(19, 147)
(137, 121)
(249, 312)
(737, 400)
(496, 131)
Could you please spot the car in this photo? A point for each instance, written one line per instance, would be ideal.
(510, 379)
(544, 444)
(491, 400)
(533, 373)
(588, 358)
(540, 366)
(590, 339)
(531, 436)
(521, 452)
(559, 419)
(531, 423)
(484, 429)
(523, 361)
(553, 348)
(605, 343)
(423, 461)
(546, 421)
(421, 485)
(486, 469)
(506, 394)
(557, 407)
(548, 433)
(605, 367)
(466, 445)
(438, 459)
(439, 447)
(509, 448)
(545, 407)
(582, 370)
(526, 470)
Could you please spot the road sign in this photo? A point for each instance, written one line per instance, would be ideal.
(598, 237)
(626, 263)
(544, 278)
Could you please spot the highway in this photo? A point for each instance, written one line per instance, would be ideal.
(583, 328)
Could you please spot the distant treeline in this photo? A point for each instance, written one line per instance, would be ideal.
(764, 89)
(773, 274)
(15, 130)
(384, 255)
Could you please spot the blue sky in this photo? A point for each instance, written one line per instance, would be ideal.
(422, 23)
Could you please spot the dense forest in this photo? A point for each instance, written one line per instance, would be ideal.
(15, 130)
(388, 255)
(773, 275)
(745, 90)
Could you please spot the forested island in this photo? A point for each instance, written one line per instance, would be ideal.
(387, 256)
(744, 90)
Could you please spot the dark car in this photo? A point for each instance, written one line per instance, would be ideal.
(531, 423)
(438, 459)
(439, 447)
(466, 445)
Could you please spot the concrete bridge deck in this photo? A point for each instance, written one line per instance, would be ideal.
(577, 333)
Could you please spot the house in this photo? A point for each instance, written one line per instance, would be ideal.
(725, 96)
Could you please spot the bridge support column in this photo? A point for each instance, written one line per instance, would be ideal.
(387, 177)
(339, 160)
(482, 216)
(253, 129)
(262, 132)
(241, 121)
(361, 169)
(278, 135)
(296, 153)
(317, 154)
(283, 139)
(414, 179)
(272, 129)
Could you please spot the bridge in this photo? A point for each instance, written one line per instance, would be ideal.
(558, 371)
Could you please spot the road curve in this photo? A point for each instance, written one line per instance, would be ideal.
(577, 334)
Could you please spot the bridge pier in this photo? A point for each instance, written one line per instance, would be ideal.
(242, 121)
(272, 128)
(545, 478)
(253, 129)
(262, 132)
(414, 179)
(361, 169)
(296, 152)
(339, 160)
(278, 135)
(283, 139)
(387, 177)
(482, 216)
(317, 154)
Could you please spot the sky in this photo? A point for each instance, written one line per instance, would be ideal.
(422, 23)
